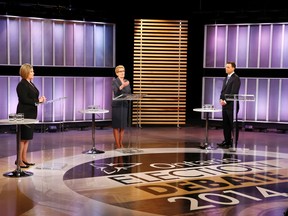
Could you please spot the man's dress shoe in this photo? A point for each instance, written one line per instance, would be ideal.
(225, 144)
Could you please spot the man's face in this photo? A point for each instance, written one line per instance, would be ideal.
(229, 69)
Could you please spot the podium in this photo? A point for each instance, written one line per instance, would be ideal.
(236, 98)
(130, 98)
(18, 172)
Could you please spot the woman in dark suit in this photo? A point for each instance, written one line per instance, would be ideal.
(120, 85)
(231, 85)
(28, 100)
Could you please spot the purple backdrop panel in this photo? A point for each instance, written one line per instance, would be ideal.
(69, 44)
(79, 98)
(5, 99)
(36, 37)
(208, 98)
(242, 105)
(217, 91)
(25, 41)
(89, 44)
(100, 93)
(109, 46)
(285, 47)
(284, 100)
(108, 97)
(3, 41)
(99, 45)
(242, 46)
(276, 48)
(265, 46)
(253, 46)
(48, 41)
(59, 42)
(273, 104)
(221, 46)
(231, 43)
(250, 106)
(48, 92)
(13, 100)
(38, 83)
(14, 41)
(59, 92)
(69, 102)
(89, 93)
(262, 99)
(79, 44)
(210, 46)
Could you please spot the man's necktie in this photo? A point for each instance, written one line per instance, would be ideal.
(228, 77)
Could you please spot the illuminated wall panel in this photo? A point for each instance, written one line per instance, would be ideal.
(249, 45)
(46, 42)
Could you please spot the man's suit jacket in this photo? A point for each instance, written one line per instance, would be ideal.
(231, 87)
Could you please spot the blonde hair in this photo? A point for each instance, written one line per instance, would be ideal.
(25, 70)
(118, 68)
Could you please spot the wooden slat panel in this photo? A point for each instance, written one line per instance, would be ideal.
(160, 70)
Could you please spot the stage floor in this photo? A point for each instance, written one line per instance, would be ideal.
(161, 171)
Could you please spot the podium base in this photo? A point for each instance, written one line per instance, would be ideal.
(18, 174)
(93, 151)
(129, 150)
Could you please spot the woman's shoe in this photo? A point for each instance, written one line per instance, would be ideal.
(24, 166)
(28, 164)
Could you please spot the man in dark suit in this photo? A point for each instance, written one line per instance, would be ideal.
(231, 85)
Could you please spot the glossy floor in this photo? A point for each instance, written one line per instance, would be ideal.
(161, 171)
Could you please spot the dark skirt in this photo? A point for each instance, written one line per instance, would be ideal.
(27, 132)
(119, 117)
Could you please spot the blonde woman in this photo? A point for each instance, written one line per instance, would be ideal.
(28, 99)
(120, 85)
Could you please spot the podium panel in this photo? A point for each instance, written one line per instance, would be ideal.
(236, 98)
(129, 98)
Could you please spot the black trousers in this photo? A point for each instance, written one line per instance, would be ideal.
(229, 124)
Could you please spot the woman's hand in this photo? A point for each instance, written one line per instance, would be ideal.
(42, 99)
(124, 84)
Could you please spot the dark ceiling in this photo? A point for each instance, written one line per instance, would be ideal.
(216, 11)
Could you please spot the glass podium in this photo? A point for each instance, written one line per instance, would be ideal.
(236, 98)
(130, 98)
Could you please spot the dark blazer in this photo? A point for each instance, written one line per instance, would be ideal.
(231, 87)
(28, 96)
(116, 83)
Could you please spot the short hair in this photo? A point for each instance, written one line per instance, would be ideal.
(233, 64)
(25, 70)
(118, 68)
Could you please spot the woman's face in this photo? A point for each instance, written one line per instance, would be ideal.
(121, 73)
(31, 74)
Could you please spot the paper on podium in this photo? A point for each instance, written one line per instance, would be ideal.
(54, 100)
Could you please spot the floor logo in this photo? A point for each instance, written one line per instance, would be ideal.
(183, 183)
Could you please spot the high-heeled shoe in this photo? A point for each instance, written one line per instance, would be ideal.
(24, 166)
(28, 164)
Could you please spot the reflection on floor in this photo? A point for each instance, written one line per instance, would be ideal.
(161, 171)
